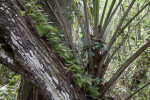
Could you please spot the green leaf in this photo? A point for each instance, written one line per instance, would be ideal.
(97, 46)
(105, 46)
(92, 53)
(22, 13)
(86, 73)
(39, 6)
(83, 39)
(132, 38)
(86, 53)
(29, 4)
(88, 1)
(97, 43)
(87, 80)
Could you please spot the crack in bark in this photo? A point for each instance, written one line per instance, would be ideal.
(32, 58)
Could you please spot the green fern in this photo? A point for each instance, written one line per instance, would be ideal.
(43, 27)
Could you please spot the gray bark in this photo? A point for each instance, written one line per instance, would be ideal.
(27, 55)
(28, 91)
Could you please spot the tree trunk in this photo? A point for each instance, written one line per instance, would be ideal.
(27, 90)
(25, 53)
(53, 15)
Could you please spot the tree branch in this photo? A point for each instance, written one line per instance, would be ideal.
(33, 58)
(112, 40)
(121, 43)
(124, 66)
(135, 15)
(107, 19)
(7, 61)
(90, 58)
(59, 20)
(102, 17)
(129, 97)
(96, 16)
(68, 35)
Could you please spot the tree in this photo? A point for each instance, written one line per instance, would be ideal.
(41, 68)
(24, 52)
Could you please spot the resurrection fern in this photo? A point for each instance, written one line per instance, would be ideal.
(41, 23)
(43, 27)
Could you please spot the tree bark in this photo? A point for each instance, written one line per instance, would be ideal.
(28, 91)
(53, 15)
(25, 53)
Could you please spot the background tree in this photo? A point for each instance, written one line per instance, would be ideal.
(86, 58)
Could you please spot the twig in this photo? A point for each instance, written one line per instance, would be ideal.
(121, 43)
(123, 67)
(128, 97)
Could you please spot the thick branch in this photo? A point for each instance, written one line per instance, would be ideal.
(121, 44)
(124, 66)
(110, 19)
(136, 15)
(68, 35)
(87, 26)
(107, 18)
(36, 61)
(96, 16)
(113, 38)
(102, 18)
(8, 61)
(59, 20)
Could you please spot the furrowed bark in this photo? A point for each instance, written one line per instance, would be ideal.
(28, 91)
(8, 61)
(30, 57)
